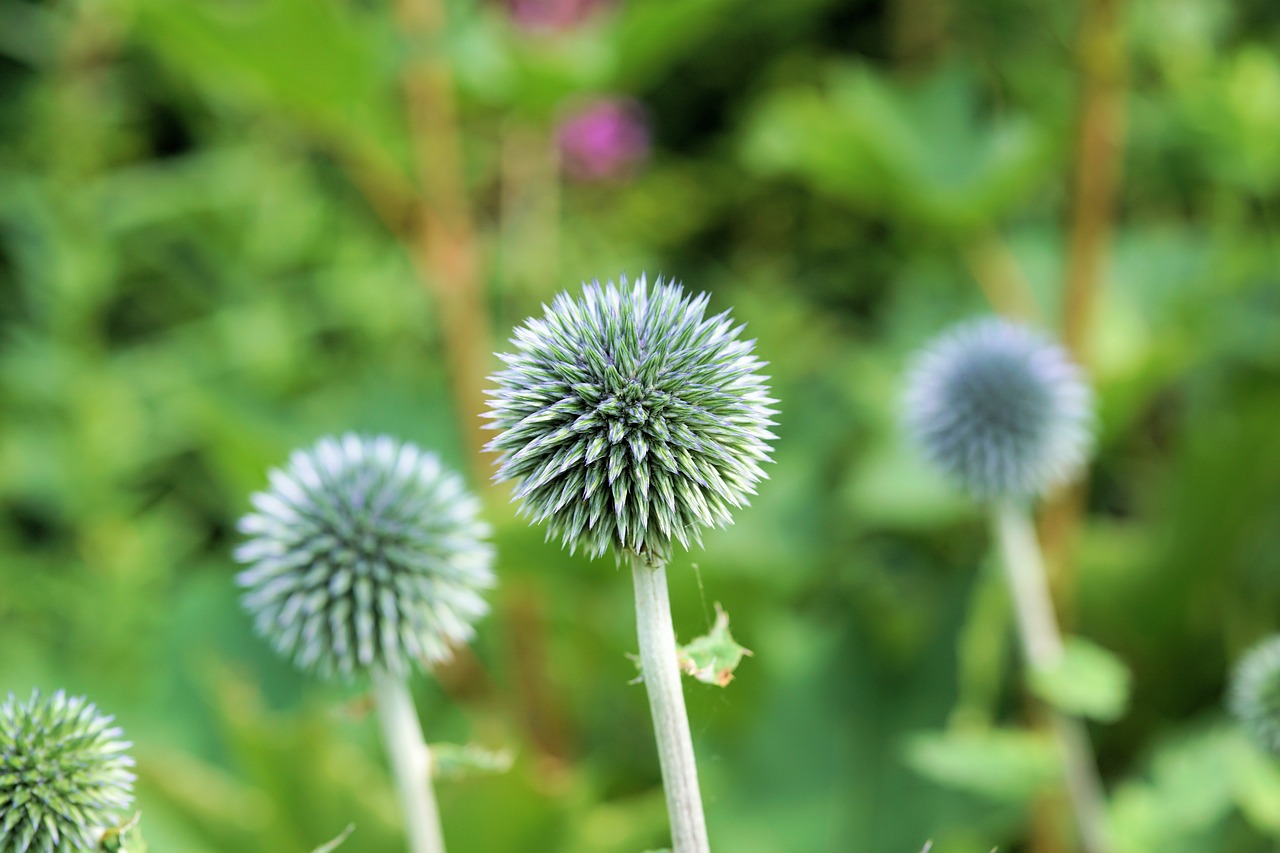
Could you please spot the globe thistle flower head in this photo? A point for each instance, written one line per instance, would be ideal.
(64, 774)
(631, 419)
(1254, 694)
(1000, 409)
(364, 553)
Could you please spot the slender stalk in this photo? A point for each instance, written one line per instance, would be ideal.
(1095, 190)
(996, 269)
(1042, 645)
(410, 762)
(666, 704)
(444, 246)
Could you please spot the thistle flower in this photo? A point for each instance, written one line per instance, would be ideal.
(364, 553)
(1254, 694)
(630, 418)
(551, 16)
(63, 774)
(604, 139)
(1000, 409)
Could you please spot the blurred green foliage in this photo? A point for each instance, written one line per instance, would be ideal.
(198, 271)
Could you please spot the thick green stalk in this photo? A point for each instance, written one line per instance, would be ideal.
(1042, 645)
(410, 762)
(661, 671)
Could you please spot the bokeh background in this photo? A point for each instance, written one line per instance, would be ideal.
(228, 227)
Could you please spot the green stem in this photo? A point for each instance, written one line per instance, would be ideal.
(410, 762)
(1042, 645)
(661, 671)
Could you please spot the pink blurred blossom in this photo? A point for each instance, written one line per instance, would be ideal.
(604, 139)
(551, 15)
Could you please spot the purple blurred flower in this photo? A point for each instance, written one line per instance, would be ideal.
(604, 139)
(540, 16)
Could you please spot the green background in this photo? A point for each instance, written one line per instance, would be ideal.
(195, 278)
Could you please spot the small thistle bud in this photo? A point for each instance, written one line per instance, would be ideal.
(1000, 409)
(364, 553)
(64, 775)
(630, 418)
(1254, 694)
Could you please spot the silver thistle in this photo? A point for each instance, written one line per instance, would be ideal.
(1254, 694)
(364, 553)
(64, 774)
(1000, 409)
(630, 418)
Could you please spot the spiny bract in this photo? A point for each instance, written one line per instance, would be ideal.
(1000, 409)
(630, 418)
(1254, 696)
(64, 775)
(364, 553)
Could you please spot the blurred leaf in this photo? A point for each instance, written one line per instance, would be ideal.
(451, 761)
(896, 487)
(982, 651)
(997, 763)
(713, 657)
(651, 34)
(318, 60)
(1186, 792)
(1087, 681)
(877, 145)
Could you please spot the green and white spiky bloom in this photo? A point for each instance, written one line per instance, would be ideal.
(1254, 697)
(363, 553)
(64, 774)
(1000, 409)
(630, 418)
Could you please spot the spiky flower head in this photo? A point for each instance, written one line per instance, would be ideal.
(1254, 694)
(364, 553)
(1000, 409)
(630, 418)
(64, 774)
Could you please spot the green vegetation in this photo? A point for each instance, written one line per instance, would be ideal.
(231, 227)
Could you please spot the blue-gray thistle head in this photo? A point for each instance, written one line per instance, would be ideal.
(1254, 694)
(64, 774)
(364, 553)
(1000, 409)
(630, 418)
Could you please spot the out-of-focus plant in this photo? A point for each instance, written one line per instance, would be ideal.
(606, 138)
(630, 421)
(1006, 415)
(65, 775)
(1255, 694)
(367, 556)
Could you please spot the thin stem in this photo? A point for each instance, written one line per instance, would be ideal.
(996, 269)
(666, 703)
(410, 762)
(1095, 190)
(1042, 644)
(443, 245)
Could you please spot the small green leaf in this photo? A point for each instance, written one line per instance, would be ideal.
(333, 845)
(713, 657)
(1255, 780)
(1001, 764)
(125, 838)
(1087, 681)
(450, 761)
